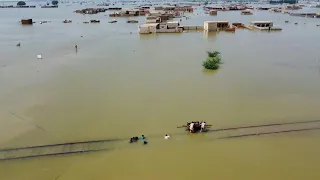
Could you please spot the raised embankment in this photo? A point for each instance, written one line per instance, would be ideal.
(101, 145)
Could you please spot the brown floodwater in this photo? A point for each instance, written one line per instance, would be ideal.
(120, 85)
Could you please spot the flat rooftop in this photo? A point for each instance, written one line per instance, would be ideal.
(261, 22)
(216, 21)
(149, 24)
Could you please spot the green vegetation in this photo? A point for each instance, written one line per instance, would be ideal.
(54, 3)
(21, 3)
(213, 60)
(206, 3)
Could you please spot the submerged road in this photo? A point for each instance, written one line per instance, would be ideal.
(102, 145)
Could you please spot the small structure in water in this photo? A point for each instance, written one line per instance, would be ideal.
(246, 12)
(213, 12)
(91, 10)
(215, 25)
(310, 15)
(169, 27)
(18, 6)
(132, 21)
(264, 26)
(67, 21)
(50, 6)
(113, 21)
(94, 21)
(130, 12)
(26, 21)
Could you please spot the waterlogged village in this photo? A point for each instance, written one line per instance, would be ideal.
(170, 17)
(97, 82)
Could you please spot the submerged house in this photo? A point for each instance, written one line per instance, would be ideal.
(157, 17)
(129, 12)
(310, 15)
(169, 27)
(215, 25)
(26, 21)
(246, 12)
(263, 25)
(283, 1)
(213, 12)
(153, 19)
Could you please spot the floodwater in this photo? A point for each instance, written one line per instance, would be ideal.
(120, 84)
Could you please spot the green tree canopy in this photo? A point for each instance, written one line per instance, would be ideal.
(21, 3)
(54, 2)
(213, 61)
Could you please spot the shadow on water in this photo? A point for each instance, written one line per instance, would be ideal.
(208, 72)
(211, 36)
(156, 35)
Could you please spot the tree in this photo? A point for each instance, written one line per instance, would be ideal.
(213, 60)
(206, 3)
(54, 3)
(21, 3)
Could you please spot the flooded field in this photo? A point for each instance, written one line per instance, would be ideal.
(121, 84)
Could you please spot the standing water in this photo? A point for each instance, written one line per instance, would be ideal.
(120, 84)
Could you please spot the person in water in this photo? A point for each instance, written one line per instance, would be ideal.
(142, 137)
(191, 127)
(166, 136)
(203, 125)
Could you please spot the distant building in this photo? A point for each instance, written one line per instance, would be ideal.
(283, 1)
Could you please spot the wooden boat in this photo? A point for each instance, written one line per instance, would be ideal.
(196, 127)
